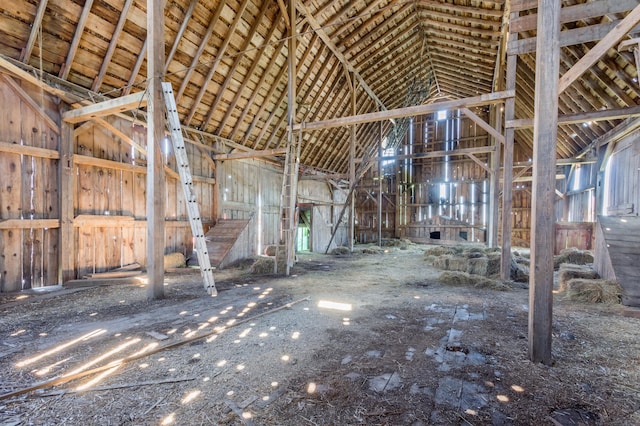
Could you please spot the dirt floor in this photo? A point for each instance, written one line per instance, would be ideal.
(369, 339)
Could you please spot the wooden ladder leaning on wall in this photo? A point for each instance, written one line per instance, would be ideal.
(186, 181)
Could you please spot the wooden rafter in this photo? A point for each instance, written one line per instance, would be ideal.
(201, 47)
(179, 34)
(124, 103)
(35, 29)
(136, 68)
(73, 48)
(237, 60)
(112, 46)
(222, 50)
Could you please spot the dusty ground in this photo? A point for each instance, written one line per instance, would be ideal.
(408, 351)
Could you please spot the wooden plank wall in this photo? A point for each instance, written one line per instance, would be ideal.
(327, 204)
(29, 256)
(622, 190)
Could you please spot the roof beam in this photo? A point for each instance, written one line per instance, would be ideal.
(250, 154)
(219, 55)
(486, 99)
(315, 25)
(203, 44)
(112, 106)
(179, 34)
(35, 27)
(136, 68)
(486, 126)
(64, 71)
(112, 46)
(620, 30)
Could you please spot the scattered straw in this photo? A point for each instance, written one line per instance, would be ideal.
(593, 291)
(341, 251)
(463, 279)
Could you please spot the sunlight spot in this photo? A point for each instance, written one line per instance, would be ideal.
(251, 304)
(305, 308)
(263, 334)
(240, 367)
(196, 315)
(98, 378)
(261, 296)
(211, 339)
(183, 313)
(295, 335)
(187, 331)
(221, 363)
(272, 328)
(143, 365)
(48, 368)
(265, 398)
(19, 332)
(24, 296)
(334, 305)
(170, 419)
(213, 319)
(241, 314)
(274, 384)
(122, 301)
(196, 355)
(60, 347)
(42, 334)
(503, 398)
(346, 323)
(471, 412)
(237, 341)
(230, 393)
(517, 388)
(204, 325)
(206, 379)
(93, 314)
(311, 388)
(172, 331)
(246, 415)
(117, 335)
(245, 310)
(245, 333)
(285, 358)
(256, 288)
(231, 322)
(190, 396)
(489, 383)
(172, 369)
(416, 297)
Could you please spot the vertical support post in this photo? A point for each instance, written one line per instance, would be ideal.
(352, 165)
(507, 171)
(66, 269)
(290, 209)
(545, 131)
(494, 181)
(155, 132)
(380, 188)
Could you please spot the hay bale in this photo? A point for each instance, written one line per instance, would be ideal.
(373, 250)
(264, 266)
(570, 271)
(439, 251)
(341, 251)
(572, 255)
(593, 291)
(477, 266)
(493, 264)
(455, 278)
(174, 260)
(519, 272)
(270, 250)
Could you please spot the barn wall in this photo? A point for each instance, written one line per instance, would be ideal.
(327, 204)
(621, 190)
(29, 251)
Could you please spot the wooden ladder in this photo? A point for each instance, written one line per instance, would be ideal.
(186, 181)
(288, 213)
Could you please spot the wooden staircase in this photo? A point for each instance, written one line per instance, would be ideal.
(617, 254)
(222, 237)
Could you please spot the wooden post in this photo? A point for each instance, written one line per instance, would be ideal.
(380, 187)
(66, 270)
(494, 182)
(507, 172)
(155, 132)
(544, 168)
(352, 165)
(290, 209)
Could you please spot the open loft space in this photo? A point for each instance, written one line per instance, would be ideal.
(319, 212)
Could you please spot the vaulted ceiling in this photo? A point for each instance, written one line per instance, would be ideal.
(227, 61)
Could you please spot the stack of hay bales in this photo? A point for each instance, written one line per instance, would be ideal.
(341, 251)
(373, 250)
(582, 284)
(263, 265)
(574, 256)
(476, 261)
(401, 243)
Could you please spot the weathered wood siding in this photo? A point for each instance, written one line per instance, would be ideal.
(29, 255)
(622, 192)
(327, 205)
